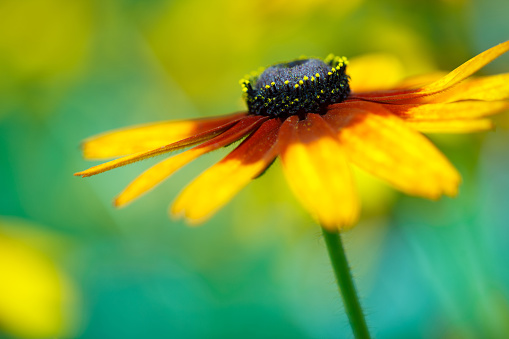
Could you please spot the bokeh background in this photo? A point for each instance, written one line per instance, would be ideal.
(73, 266)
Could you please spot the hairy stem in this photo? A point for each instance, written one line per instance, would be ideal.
(345, 283)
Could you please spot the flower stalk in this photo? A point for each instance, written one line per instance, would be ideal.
(346, 284)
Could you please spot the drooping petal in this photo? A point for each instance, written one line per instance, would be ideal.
(468, 109)
(374, 72)
(317, 171)
(489, 88)
(451, 126)
(146, 137)
(451, 79)
(157, 173)
(383, 145)
(217, 185)
(193, 140)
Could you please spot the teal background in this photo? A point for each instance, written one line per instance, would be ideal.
(258, 268)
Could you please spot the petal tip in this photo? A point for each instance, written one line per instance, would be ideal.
(119, 202)
(175, 211)
(174, 216)
(177, 214)
(82, 174)
(453, 192)
(194, 222)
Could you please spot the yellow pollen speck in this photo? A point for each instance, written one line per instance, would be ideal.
(301, 82)
(273, 83)
(296, 85)
(244, 89)
(287, 82)
(321, 91)
(306, 78)
(329, 73)
(267, 86)
(312, 78)
(297, 99)
(318, 97)
(317, 75)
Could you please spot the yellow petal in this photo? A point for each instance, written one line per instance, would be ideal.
(374, 72)
(156, 174)
(146, 137)
(451, 126)
(193, 140)
(317, 171)
(489, 88)
(466, 69)
(469, 109)
(219, 184)
(383, 145)
(425, 93)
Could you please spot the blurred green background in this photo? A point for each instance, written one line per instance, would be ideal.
(73, 266)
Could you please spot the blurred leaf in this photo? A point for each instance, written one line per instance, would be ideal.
(42, 44)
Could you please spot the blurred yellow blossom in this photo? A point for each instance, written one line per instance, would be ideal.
(37, 298)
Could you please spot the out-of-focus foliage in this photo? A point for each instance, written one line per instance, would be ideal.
(43, 44)
(70, 69)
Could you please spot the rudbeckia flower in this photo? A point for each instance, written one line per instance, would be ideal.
(308, 114)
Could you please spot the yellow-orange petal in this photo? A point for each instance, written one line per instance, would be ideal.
(383, 145)
(366, 72)
(159, 172)
(217, 185)
(489, 88)
(451, 126)
(142, 138)
(459, 74)
(466, 69)
(468, 109)
(317, 171)
(193, 140)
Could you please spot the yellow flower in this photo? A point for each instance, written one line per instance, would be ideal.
(38, 299)
(308, 114)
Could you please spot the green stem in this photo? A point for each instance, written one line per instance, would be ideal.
(345, 284)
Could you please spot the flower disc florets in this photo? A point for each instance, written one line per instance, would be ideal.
(302, 86)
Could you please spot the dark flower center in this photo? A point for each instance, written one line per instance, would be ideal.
(297, 87)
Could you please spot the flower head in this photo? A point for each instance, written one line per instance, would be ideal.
(306, 113)
(298, 87)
